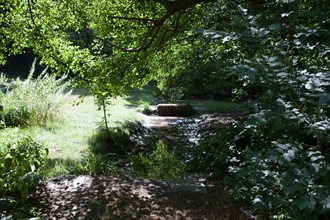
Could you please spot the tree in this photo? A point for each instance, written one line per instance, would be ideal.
(106, 43)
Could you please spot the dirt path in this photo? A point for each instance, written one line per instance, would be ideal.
(110, 197)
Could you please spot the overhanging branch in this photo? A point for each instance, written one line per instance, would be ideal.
(172, 7)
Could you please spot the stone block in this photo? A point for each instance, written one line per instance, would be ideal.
(181, 110)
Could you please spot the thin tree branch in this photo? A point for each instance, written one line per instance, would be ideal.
(132, 19)
(173, 30)
(177, 21)
(136, 49)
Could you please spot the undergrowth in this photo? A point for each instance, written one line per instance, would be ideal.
(160, 163)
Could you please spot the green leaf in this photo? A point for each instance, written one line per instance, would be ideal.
(7, 162)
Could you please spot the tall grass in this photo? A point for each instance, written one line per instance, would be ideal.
(34, 101)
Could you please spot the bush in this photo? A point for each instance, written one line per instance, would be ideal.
(286, 180)
(20, 162)
(33, 101)
(158, 164)
(278, 164)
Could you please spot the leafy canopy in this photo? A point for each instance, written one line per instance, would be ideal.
(107, 43)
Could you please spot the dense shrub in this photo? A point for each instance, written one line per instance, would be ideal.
(20, 162)
(34, 101)
(278, 159)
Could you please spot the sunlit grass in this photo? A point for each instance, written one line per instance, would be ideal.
(68, 139)
(208, 106)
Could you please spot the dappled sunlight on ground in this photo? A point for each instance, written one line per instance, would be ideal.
(110, 197)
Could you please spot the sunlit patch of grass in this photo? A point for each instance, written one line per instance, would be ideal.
(68, 138)
(119, 112)
(207, 106)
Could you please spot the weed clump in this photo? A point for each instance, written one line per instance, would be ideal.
(34, 101)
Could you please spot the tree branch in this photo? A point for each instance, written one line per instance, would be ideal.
(145, 20)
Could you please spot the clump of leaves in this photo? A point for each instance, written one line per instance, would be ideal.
(34, 101)
(160, 163)
(20, 162)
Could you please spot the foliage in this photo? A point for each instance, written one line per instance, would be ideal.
(279, 155)
(34, 101)
(106, 43)
(196, 65)
(286, 178)
(211, 153)
(194, 68)
(160, 163)
(21, 161)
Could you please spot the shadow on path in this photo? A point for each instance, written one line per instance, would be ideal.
(110, 197)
